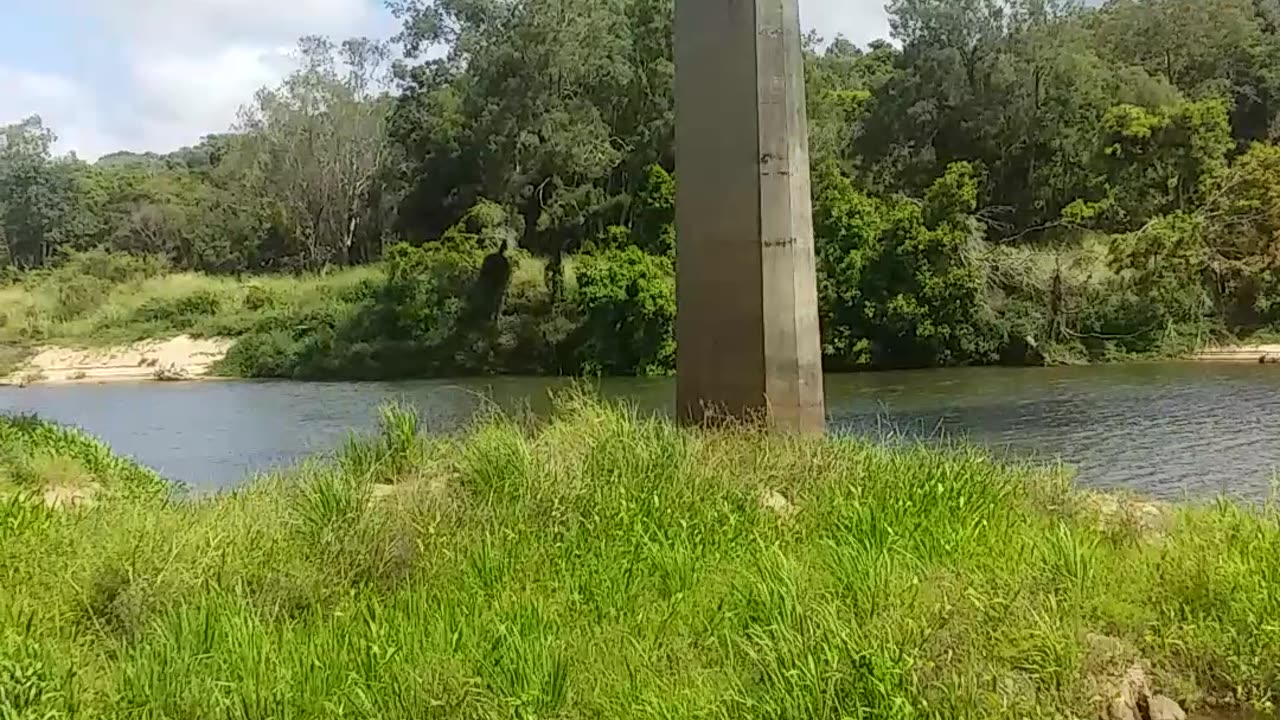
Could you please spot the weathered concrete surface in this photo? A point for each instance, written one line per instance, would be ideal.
(748, 323)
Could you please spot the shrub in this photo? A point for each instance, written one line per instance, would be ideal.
(897, 285)
(180, 313)
(262, 354)
(628, 302)
(257, 298)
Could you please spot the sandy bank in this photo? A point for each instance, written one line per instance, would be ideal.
(1241, 353)
(179, 358)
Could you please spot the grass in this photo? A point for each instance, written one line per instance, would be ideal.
(285, 325)
(36, 456)
(608, 565)
(100, 298)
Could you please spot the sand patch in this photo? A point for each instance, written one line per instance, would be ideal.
(1265, 354)
(179, 358)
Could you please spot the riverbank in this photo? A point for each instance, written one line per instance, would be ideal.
(448, 310)
(1264, 353)
(175, 359)
(602, 564)
(185, 358)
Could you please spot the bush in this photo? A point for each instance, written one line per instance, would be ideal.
(261, 354)
(403, 325)
(424, 289)
(257, 298)
(180, 313)
(628, 302)
(113, 267)
(897, 284)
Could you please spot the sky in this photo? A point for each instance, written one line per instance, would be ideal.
(155, 75)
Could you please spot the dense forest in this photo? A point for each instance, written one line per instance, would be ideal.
(1005, 181)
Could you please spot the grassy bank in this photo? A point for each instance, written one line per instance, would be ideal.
(602, 565)
(39, 459)
(447, 309)
(409, 318)
(103, 299)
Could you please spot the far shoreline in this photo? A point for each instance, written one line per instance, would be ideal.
(181, 358)
(1257, 354)
(187, 359)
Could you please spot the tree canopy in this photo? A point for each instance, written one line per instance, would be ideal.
(1000, 180)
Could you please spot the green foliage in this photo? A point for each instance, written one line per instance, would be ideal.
(1163, 265)
(1164, 160)
(628, 299)
(36, 455)
(514, 137)
(655, 226)
(425, 287)
(182, 311)
(897, 285)
(313, 152)
(1245, 259)
(392, 455)
(36, 194)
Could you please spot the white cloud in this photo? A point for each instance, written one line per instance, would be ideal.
(180, 69)
(181, 96)
(171, 71)
(63, 104)
(200, 24)
(859, 20)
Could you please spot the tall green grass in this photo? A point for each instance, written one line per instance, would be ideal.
(608, 565)
(97, 298)
(333, 325)
(36, 455)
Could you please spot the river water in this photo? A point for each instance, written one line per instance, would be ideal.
(1167, 431)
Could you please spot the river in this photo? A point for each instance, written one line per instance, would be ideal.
(1170, 431)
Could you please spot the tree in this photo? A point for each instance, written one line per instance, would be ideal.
(629, 300)
(553, 107)
(316, 149)
(1162, 160)
(1223, 47)
(36, 194)
(897, 284)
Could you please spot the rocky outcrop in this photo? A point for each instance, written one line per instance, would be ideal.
(1163, 708)
(1122, 684)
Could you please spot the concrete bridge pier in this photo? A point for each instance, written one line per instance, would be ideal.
(747, 322)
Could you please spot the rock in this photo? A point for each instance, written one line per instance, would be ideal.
(775, 502)
(171, 373)
(1160, 707)
(1117, 512)
(59, 497)
(1130, 695)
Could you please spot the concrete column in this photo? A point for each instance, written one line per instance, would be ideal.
(747, 322)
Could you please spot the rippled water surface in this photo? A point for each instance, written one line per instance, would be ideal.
(1167, 430)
